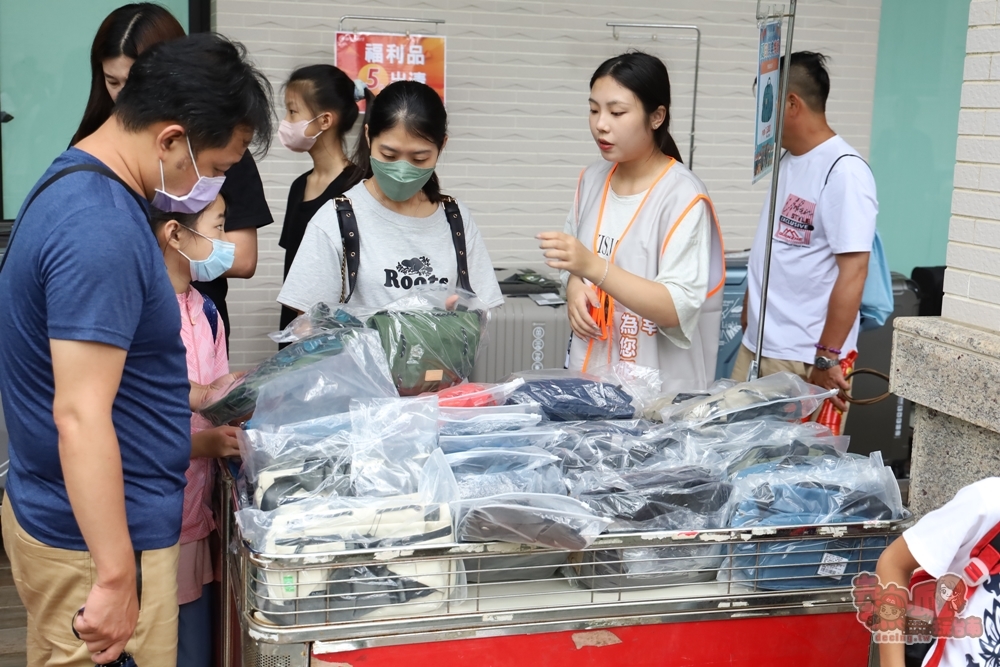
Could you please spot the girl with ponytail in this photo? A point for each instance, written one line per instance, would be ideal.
(641, 253)
(321, 107)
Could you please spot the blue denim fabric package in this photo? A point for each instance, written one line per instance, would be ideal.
(575, 399)
(826, 490)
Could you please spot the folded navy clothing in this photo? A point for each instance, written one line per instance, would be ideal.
(580, 453)
(794, 453)
(572, 399)
(678, 498)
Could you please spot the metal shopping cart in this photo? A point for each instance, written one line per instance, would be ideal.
(707, 597)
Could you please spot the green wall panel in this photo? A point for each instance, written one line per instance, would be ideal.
(45, 80)
(918, 86)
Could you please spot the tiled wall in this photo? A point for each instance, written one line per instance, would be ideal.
(517, 90)
(972, 282)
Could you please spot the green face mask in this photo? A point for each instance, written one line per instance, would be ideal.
(400, 180)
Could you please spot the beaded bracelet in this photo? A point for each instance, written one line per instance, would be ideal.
(831, 350)
(607, 267)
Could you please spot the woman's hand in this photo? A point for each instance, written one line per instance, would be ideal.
(215, 443)
(578, 297)
(566, 253)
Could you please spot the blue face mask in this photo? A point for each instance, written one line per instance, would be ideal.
(216, 264)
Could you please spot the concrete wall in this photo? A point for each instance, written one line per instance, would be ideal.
(972, 283)
(517, 91)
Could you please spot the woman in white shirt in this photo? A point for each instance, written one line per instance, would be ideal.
(641, 254)
(410, 233)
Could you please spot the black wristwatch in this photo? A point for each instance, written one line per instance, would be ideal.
(825, 363)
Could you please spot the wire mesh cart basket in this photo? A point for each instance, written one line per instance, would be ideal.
(776, 596)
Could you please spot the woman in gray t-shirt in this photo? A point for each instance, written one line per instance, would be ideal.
(405, 237)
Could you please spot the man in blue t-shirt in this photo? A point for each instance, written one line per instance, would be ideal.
(92, 368)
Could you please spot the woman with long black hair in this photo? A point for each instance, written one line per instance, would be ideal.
(641, 254)
(124, 34)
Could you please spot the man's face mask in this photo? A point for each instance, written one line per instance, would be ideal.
(203, 193)
(400, 180)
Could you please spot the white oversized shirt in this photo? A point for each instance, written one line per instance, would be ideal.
(815, 220)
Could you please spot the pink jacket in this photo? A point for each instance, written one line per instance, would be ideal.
(207, 361)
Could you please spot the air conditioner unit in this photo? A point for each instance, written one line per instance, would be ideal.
(522, 336)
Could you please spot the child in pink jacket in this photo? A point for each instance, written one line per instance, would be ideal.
(195, 248)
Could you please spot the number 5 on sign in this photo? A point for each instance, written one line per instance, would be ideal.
(374, 76)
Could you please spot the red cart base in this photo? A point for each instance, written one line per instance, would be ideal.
(816, 640)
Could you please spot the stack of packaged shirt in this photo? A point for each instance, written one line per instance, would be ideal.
(546, 460)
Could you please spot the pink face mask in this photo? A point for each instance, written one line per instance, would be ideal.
(293, 135)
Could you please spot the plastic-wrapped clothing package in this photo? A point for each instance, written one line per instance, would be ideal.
(321, 317)
(793, 453)
(826, 490)
(476, 421)
(490, 472)
(575, 397)
(740, 435)
(391, 440)
(780, 396)
(477, 395)
(544, 520)
(325, 525)
(429, 350)
(655, 497)
(592, 446)
(487, 461)
(653, 407)
(541, 436)
(326, 387)
(240, 397)
(298, 461)
(429, 343)
(317, 596)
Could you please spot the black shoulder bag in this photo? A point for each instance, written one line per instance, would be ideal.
(96, 168)
(350, 259)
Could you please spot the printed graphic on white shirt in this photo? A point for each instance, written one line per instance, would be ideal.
(795, 224)
(605, 245)
(410, 272)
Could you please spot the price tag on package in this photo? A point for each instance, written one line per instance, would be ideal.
(832, 566)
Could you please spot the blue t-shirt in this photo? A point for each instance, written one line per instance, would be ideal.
(85, 266)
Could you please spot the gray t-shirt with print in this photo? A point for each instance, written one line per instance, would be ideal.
(397, 253)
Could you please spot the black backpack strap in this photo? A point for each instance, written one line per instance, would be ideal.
(457, 225)
(350, 258)
(827, 181)
(96, 168)
(212, 314)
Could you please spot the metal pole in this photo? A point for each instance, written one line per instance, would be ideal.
(226, 618)
(779, 127)
(694, 101)
(389, 19)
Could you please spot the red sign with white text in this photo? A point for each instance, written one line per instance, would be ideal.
(379, 59)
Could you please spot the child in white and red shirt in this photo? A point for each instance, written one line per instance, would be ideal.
(944, 543)
(194, 248)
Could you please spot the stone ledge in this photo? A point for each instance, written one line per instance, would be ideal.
(949, 367)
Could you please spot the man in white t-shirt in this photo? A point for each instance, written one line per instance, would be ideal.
(942, 543)
(823, 232)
